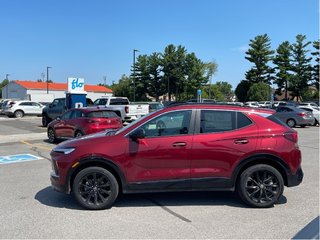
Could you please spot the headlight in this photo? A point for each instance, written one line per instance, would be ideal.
(64, 150)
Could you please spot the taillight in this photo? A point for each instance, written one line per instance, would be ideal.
(292, 136)
(92, 121)
(126, 108)
(301, 114)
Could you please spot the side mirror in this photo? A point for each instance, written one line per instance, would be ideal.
(137, 134)
(58, 118)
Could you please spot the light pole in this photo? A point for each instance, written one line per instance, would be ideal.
(48, 79)
(7, 75)
(134, 74)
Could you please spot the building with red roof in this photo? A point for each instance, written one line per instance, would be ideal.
(43, 92)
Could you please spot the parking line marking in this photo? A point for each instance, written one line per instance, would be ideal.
(35, 145)
(18, 158)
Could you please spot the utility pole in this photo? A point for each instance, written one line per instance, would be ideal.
(48, 79)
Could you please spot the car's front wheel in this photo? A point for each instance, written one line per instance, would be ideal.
(95, 188)
(260, 186)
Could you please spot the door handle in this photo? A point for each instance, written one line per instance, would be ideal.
(241, 141)
(179, 144)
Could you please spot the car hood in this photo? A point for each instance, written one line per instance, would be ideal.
(87, 139)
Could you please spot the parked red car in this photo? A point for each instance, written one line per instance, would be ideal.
(183, 148)
(82, 121)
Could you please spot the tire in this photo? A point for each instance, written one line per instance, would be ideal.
(291, 123)
(315, 122)
(78, 134)
(45, 120)
(52, 135)
(18, 114)
(95, 188)
(260, 186)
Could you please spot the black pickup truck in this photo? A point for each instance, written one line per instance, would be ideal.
(56, 109)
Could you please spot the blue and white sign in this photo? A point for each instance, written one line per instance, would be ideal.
(199, 92)
(75, 85)
(18, 158)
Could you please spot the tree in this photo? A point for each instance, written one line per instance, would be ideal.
(225, 88)
(301, 67)
(242, 90)
(210, 69)
(123, 88)
(315, 68)
(259, 54)
(283, 67)
(259, 92)
(2, 84)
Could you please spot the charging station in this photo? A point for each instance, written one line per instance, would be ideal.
(76, 96)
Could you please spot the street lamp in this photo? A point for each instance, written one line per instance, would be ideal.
(134, 74)
(7, 86)
(48, 79)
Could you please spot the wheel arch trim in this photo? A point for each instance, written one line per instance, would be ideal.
(262, 158)
(94, 161)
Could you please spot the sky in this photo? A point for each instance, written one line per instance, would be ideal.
(96, 38)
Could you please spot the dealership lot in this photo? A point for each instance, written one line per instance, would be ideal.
(31, 209)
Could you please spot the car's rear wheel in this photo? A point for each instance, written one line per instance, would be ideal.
(78, 134)
(95, 188)
(260, 186)
(291, 123)
(51, 135)
(18, 114)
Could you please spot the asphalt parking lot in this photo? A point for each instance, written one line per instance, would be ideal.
(31, 209)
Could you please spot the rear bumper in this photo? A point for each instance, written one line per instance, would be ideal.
(295, 179)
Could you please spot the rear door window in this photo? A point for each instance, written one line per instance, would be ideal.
(212, 121)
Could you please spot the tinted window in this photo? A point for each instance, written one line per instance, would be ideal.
(216, 121)
(102, 114)
(67, 115)
(100, 102)
(119, 101)
(76, 114)
(169, 124)
(276, 120)
(25, 104)
(242, 120)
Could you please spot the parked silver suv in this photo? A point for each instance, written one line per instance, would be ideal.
(25, 107)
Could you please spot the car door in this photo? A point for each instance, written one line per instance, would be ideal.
(162, 158)
(221, 139)
(61, 127)
(36, 108)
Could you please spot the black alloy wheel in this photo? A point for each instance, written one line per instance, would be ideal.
(260, 186)
(95, 188)
(51, 135)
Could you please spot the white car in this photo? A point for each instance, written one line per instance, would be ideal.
(25, 107)
(265, 104)
(314, 109)
(251, 104)
(308, 104)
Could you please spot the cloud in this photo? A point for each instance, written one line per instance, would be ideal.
(242, 48)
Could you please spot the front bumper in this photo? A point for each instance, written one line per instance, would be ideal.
(295, 179)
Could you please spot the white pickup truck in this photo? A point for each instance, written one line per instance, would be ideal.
(130, 112)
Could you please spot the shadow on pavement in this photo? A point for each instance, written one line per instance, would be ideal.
(50, 197)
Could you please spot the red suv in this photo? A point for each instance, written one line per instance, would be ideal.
(183, 148)
(82, 121)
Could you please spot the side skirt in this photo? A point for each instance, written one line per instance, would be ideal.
(203, 184)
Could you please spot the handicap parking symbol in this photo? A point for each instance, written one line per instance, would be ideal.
(18, 158)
